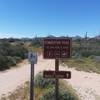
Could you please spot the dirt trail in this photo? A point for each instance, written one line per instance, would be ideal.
(11, 79)
(87, 85)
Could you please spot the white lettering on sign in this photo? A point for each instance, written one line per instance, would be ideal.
(32, 57)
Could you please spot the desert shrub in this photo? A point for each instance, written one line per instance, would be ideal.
(79, 60)
(36, 42)
(48, 89)
(10, 54)
(18, 51)
(17, 59)
(91, 57)
(11, 61)
(49, 94)
(42, 82)
(3, 62)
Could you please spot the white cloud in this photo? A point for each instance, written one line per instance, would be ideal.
(16, 35)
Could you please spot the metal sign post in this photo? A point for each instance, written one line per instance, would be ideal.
(32, 82)
(32, 57)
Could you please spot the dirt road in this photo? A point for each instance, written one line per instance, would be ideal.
(87, 85)
(11, 79)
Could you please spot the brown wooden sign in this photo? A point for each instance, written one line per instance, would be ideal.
(57, 74)
(57, 48)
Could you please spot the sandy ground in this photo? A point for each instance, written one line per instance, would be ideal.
(11, 79)
(87, 85)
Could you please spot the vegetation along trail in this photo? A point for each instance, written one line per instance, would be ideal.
(86, 84)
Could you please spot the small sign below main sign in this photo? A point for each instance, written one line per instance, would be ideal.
(32, 57)
(57, 74)
(57, 48)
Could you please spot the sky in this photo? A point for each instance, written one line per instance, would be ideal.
(30, 18)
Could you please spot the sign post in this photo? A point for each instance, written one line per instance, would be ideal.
(32, 57)
(32, 82)
(57, 80)
(57, 48)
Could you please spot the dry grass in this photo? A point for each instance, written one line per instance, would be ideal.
(83, 64)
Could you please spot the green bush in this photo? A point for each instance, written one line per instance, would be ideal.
(11, 61)
(48, 89)
(10, 54)
(64, 94)
(42, 82)
(3, 62)
(18, 51)
(91, 57)
(49, 94)
(17, 59)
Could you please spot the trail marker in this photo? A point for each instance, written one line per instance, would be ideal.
(57, 48)
(32, 57)
(58, 74)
